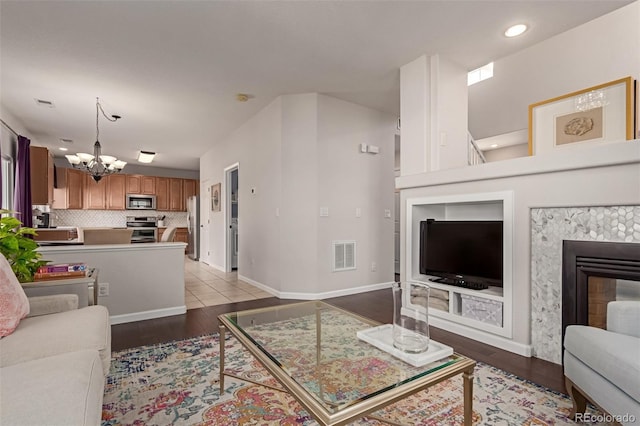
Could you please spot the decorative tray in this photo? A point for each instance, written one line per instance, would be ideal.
(382, 338)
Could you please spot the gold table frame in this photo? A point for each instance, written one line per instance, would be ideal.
(362, 408)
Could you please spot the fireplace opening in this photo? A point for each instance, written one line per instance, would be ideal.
(595, 273)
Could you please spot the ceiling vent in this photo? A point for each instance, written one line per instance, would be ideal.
(66, 141)
(344, 255)
(42, 102)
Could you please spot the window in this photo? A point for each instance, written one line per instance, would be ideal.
(480, 74)
(7, 183)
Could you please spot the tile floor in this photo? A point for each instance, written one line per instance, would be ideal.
(206, 286)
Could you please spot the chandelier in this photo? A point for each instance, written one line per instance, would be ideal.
(96, 164)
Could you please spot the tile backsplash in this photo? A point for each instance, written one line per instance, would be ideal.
(112, 218)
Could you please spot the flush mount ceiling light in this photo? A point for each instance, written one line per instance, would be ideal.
(515, 30)
(97, 165)
(146, 156)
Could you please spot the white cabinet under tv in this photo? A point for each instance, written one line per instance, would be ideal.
(467, 310)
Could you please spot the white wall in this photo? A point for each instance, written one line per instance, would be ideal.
(506, 153)
(433, 111)
(599, 51)
(300, 153)
(349, 179)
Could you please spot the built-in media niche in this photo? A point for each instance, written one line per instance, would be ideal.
(463, 253)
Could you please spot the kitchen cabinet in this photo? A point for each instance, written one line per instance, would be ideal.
(106, 194)
(69, 191)
(94, 193)
(176, 198)
(162, 194)
(189, 188)
(41, 175)
(115, 192)
(180, 236)
(139, 184)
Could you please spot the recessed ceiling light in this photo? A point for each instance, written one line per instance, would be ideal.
(495, 145)
(146, 156)
(62, 148)
(515, 30)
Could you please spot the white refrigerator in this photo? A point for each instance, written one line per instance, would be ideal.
(193, 227)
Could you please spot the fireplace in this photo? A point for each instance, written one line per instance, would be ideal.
(595, 273)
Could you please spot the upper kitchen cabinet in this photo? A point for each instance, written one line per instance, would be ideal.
(115, 192)
(94, 193)
(176, 198)
(69, 190)
(41, 175)
(139, 184)
(106, 194)
(189, 188)
(162, 194)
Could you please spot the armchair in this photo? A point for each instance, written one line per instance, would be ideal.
(53, 362)
(603, 366)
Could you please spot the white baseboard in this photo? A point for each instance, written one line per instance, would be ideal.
(145, 315)
(317, 296)
(483, 337)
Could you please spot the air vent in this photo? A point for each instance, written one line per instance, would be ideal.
(42, 102)
(67, 141)
(344, 255)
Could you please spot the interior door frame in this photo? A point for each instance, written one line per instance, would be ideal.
(205, 222)
(228, 243)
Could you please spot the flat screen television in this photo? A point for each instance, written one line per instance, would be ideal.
(462, 251)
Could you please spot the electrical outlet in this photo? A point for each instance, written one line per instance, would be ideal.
(103, 289)
(374, 267)
(387, 213)
(358, 212)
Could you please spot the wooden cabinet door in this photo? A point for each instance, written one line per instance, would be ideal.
(189, 187)
(182, 236)
(134, 184)
(70, 189)
(148, 185)
(41, 175)
(176, 199)
(94, 194)
(116, 192)
(75, 188)
(162, 194)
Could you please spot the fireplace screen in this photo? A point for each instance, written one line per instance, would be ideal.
(595, 273)
(601, 291)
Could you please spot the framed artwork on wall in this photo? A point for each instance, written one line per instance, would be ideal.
(592, 115)
(216, 199)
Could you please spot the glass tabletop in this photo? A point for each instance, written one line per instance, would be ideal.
(316, 345)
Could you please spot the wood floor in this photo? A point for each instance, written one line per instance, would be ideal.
(377, 305)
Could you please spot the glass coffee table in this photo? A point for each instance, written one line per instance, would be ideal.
(312, 349)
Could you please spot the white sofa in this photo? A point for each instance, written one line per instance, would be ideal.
(53, 366)
(603, 366)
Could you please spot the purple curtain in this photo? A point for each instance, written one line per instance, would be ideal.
(22, 195)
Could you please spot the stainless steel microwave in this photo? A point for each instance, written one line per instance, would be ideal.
(141, 202)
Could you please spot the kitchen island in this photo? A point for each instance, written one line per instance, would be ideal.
(136, 281)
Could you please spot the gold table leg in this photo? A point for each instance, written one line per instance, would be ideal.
(467, 381)
(222, 330)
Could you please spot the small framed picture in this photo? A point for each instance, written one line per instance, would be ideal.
(592, 115)
(216, 199)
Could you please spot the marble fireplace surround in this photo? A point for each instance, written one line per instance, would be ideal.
(549, 227)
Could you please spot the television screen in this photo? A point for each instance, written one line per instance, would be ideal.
(462, 250)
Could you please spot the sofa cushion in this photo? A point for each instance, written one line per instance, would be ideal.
(47, 335)
(64, 389)
(614, 356)
(14, 304)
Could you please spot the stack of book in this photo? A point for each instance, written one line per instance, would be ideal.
(60, 271)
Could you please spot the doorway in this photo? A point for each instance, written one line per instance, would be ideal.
(231, 175)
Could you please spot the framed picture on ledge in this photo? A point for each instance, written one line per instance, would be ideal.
(588, 116)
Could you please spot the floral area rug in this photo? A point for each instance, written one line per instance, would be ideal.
(177, 384)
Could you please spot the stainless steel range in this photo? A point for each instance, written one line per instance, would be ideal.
(145, 228)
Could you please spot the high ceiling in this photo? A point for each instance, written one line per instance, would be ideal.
(172, 69)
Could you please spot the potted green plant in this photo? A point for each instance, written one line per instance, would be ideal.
(18, 248)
